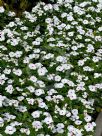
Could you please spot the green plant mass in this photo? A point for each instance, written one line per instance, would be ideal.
(50, 67)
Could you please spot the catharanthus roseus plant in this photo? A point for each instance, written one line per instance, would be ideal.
(51, 76)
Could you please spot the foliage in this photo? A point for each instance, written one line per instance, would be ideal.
(50, 69)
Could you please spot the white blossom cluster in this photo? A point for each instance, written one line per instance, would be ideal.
(51, 69)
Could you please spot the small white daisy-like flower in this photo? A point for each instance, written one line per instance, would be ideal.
(80, 62)
(42, 71)
(36, 114)
(9, 89)
(75, 112)
(78, 122)
(25, 130)
(32, 66)
(39, 92)
(58, 85)
(60, 58)
(87, 118)
(1, 122)
(62, 112)
(89, 127)
(37, 125)
(57, 78)
(7, 71)
(10, 130)
(48, 120)
(92, 88)
(2, 9)
(71, 94)
(17, 72)
(33, 79)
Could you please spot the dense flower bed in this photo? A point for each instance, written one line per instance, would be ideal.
(51, 69)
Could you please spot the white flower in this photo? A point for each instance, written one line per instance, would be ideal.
(71, 94)
(75, 112)
(59, 68)
(11, 24)
(89, 127)
(56, 7)
(1, 122)
(22, 108)
(30, 100)
(71, 34)
(9, 89)
(87, 118)
(24, 28)
(96, 75)
(37, 125)
(51, 92)
(11, 54)
(59, 130)
(100, 29)
(32, 66)
(2, 9)
(41, 83)
(36, 114)
(33, 79)
(68, 114)
(74, 48)
(20, 98)
(62, 112)
(58, 85)
(11, 14)
(26, 60)
(68, 27)
(64, 81)
(78, 122)
(50, 76)
(87, 68)
(70, 18)
(7, 71)
(95, 59)
(70, 83)
(64, 15)
(39, 92)
(60, 125)
(40, 135)
(17, 72)
(48, 120)
(60, 58)
(92, 88)
(42, 105)
(80, 62)
(85, 22)
(24, 130)
(90, 48)
(70, 128)
(10, 130)
(79, 36)
(48, 20)
(42, 71)
(95, 1)
(46, 8)
(85, 95)
(14, 42)
(18, 54)
(57, 78)
(1, 100)
(31, 89)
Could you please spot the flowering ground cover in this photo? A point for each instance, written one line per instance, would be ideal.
(51, 69)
